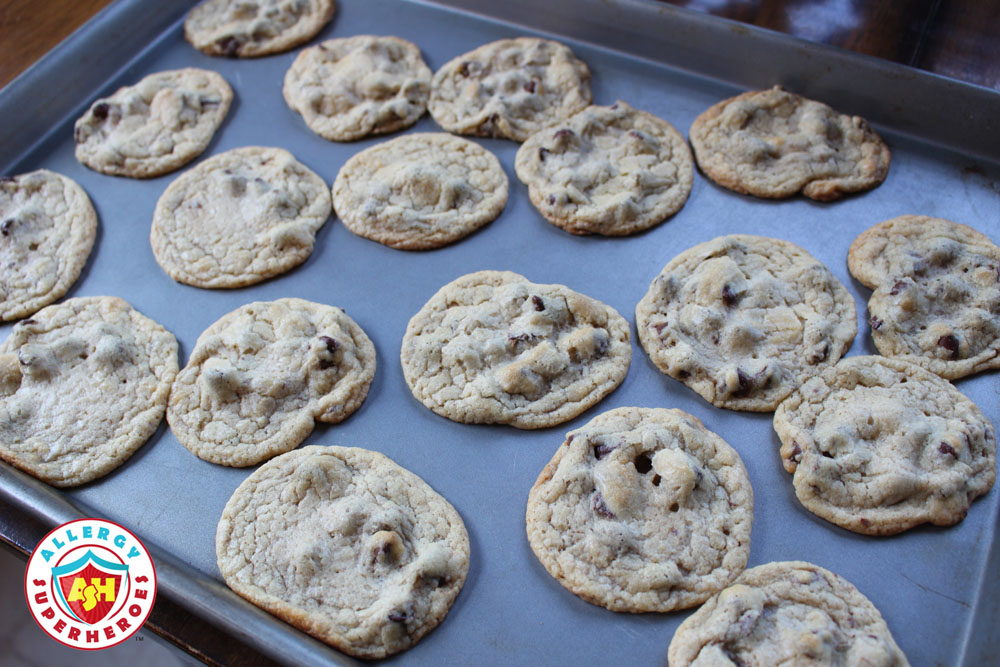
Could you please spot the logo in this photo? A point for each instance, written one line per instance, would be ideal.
(90, 584)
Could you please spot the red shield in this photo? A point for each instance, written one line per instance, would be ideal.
(90, 587)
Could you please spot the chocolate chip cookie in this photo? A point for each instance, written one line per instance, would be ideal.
(786, 613)
(937, 293)
(154, 127)
(83, 384)
(351, 87)
(261, 376)
(420, 191)
(346, 545)
(47, 229)
(775, 144)
(743, 320)
(642, 509)
(493, 348)
(238, 218)
(879, 446)
(607, 170)
(509, 89)
(251, 28)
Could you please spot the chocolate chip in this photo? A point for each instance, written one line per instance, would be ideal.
(489, 126)
(551, 200)
(7, 179)
(522, 337)
(949, 343)
(78, 135)
(728, 296)
(945, 448)
(565, 132)
(463, 69)
(601, 450)
(530, 86)
(642, 464)
(897, 288)
(209, 101)
(6, 226)
(331, 344)
(796, 456)
(715, 338)
(635, 135)
(683, 374)
(398, 616)
(660, 327)
(614, 106)
(539, 304)
(229, 46)
(656, 480)
(331, 347)
(600, 508)
(542, 152)
(821, 355)
(865, 522)
(876, 323)
(100, 110)
(748, 382)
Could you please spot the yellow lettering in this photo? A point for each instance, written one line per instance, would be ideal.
(76, 591)
(107, 590)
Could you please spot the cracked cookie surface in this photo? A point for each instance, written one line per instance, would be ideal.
(238, 218)
(936, 299)
(83, 384)
(642, 509)
(420, 191)
(786, 613)
(878, 446)
(348, 88)
(47, 229)
(509, 89)
(742, 320)
(261, 376)
(775, 144)
(155, 126)
(250, 28)
(607, 170)
(346, 545)
(492, 347)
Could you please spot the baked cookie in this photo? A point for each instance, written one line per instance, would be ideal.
(642, 509)
(154, 127)
(775, 144)
(937, 293)
(261, 376)
(607, 170)
(251, 28)
(47, 228)
(346, 545)
(420, 191)
(238, 218)
(348, 88)
(509, 89)
(743, 320)
(493, 348)
(878, 446)
(786, 613)
(83, 384)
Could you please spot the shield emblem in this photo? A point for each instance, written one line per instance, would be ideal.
(89, 587)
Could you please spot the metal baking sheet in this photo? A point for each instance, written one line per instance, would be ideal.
(935, 586)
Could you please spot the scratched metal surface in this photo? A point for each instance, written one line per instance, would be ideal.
(928, 582)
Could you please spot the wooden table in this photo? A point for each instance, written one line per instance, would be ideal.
(956, 39)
